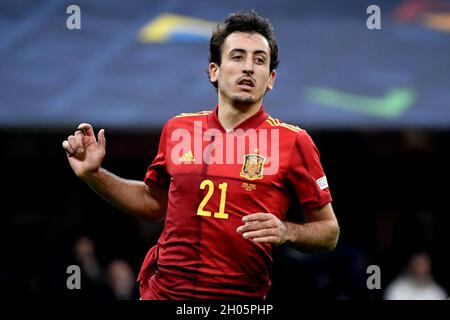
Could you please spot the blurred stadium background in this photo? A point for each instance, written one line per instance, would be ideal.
(376, 102)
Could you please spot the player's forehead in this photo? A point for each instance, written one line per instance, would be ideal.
(246, 41)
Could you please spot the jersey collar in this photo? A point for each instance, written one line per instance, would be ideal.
(253, 122)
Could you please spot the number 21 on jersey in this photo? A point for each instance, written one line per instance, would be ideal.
(223, 197)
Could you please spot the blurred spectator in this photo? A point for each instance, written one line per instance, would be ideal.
(122, 281)
(84, 253)
(417, 282)
(93, 282)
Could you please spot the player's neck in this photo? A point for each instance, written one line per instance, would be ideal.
(232, 115)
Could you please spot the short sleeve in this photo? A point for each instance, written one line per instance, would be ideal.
(306, 174)
(157, 175)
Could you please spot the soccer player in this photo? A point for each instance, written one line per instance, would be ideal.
(223, 180)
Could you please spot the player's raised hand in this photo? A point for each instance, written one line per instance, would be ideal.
(263, 227)
(84, 151)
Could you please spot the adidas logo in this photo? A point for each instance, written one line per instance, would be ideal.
(187, 157)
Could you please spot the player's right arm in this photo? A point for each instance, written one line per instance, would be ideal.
(85, 154)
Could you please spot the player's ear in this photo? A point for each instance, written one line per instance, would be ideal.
(272, 77)
(214, 71)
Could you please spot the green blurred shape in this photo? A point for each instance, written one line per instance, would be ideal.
(392, 105)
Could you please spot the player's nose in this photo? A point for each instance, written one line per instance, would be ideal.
(248, 66)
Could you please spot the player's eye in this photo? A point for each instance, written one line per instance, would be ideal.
(259, 60)
(237, 58)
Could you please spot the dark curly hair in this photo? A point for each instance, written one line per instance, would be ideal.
(246, 21)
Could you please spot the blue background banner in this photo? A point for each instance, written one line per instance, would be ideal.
(134, 64)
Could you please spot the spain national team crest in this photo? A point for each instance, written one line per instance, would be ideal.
(252, 168)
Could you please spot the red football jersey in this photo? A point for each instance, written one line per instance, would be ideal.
(214, 178)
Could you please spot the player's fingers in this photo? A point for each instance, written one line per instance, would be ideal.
(101, 138)
(67, 147)
(87, 129)
(272, 240)
(73, 144)
(79, 133)
(259, 233)
(79, 140)
(256, 225)
(258, 216)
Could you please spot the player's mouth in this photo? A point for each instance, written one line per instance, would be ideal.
(246, 83)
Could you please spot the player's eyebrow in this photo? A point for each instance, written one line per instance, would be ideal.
(244, 51)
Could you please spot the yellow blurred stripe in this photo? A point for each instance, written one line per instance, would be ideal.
(160, 28)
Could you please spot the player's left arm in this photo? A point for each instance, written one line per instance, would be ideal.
(319, 234)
